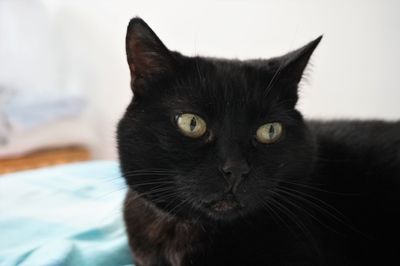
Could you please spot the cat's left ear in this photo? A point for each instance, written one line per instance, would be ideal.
(147, 56)
(290, 69)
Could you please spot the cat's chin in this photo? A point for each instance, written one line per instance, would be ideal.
(223, 209)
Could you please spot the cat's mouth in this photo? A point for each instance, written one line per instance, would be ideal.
(223, 205)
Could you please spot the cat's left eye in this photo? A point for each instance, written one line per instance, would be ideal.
(191, 125)
(269, 133)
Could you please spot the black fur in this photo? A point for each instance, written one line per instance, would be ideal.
(327, 193)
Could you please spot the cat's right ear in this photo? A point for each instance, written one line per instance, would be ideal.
(147, 55)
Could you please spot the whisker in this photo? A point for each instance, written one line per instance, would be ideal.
(328, 210)
(275, 215)
(165, 182)
(290, 214)
(307, 233)
(304, 194)
(308, 186)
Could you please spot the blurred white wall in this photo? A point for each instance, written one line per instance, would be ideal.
(354, 72)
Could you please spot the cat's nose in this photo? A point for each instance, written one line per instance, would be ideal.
(235, 167)
(234, 171)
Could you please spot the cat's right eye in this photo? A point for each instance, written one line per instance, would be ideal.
(191, 125)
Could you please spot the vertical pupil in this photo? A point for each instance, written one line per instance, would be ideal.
(193, 123)
(271, 131)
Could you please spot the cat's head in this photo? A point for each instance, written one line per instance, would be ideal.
(210, 137)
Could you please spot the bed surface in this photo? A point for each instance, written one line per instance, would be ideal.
(64, 215)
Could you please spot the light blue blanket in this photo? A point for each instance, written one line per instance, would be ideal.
(66, 215)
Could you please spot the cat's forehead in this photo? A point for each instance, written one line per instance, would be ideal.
(222, 86)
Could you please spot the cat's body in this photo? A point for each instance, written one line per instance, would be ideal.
(321, 193)
(358, 174)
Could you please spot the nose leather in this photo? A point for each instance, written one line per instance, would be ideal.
(234, 172)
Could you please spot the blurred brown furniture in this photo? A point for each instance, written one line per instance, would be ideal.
(44, 158)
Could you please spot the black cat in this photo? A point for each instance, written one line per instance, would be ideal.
(223, 170)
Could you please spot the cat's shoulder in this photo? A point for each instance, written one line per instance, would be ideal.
(348, 127)
(358, 147)
(364, 134)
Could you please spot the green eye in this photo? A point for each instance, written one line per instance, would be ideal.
(191, 125)
(269, 133)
